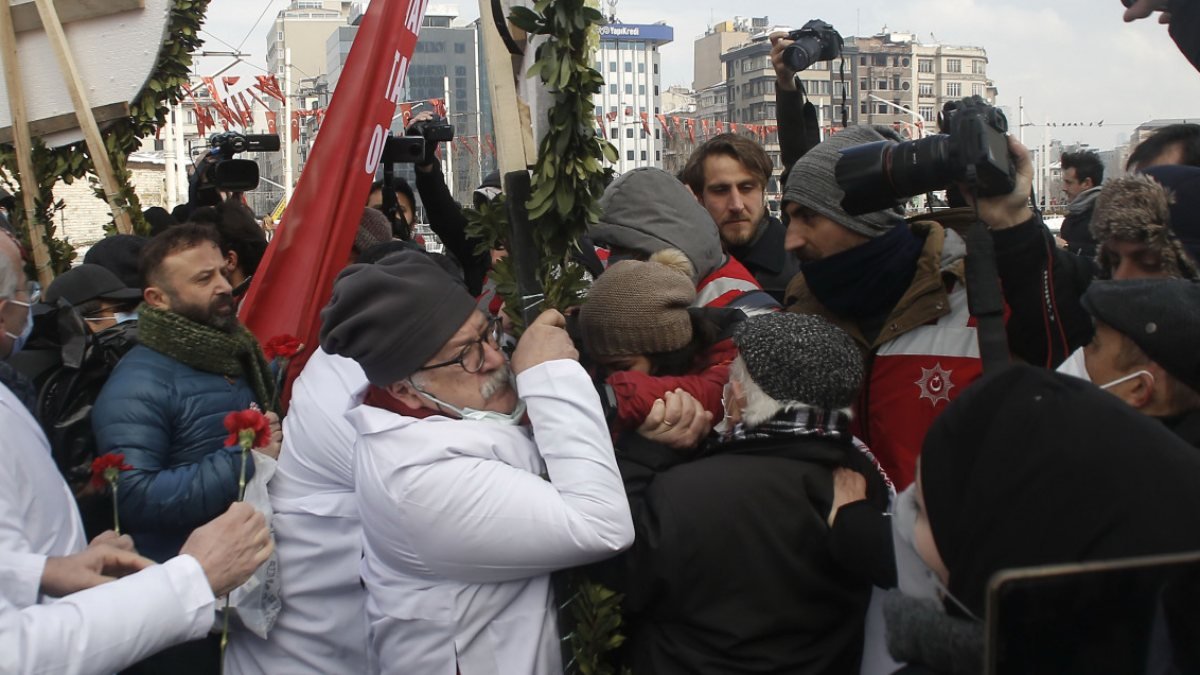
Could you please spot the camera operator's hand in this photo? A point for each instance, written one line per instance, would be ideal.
(1005, 211)
(414, 129)
(785, 77)
(1144, 8)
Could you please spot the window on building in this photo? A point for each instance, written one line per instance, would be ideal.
(460, 71)
(656, 133)
(629, 88)
(657, 156)
(612, 133)
(896, 82)
(771, 111)
(641, 90)
(460, 48)
(656, 90)
(928, 113)
(656, 69)
(629, 132)
(881, 108)
(612, 89)
(862, 60)
(882, 85)
(954, 88)
(977, 89)
(862, 107)
(612, 66)
(863, 84)
(924, 65)
(905, 62)
(953, 65)
(629, 155)
(599, 110)
(641, 67)
(879, 60)
(925, 89)
(905, 86)
(629, 66)
(977, 67)
(643, 155)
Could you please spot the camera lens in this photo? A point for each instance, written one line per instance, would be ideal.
(877, 176)
(802, 53)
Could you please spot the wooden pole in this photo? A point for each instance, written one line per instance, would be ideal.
(515, 150)
(83, 111)
(23, 145)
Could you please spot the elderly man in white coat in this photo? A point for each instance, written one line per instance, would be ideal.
(466, 513)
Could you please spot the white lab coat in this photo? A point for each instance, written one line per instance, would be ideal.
(322, 626)
(111, 626)
(461, 530)
(38, 516)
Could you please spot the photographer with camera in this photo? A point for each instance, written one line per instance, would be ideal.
(445, 216)
(219, 176)
(791, 53)
(900, 289)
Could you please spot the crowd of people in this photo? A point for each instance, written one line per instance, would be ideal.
(769, 441)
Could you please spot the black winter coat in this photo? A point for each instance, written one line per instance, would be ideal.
(731, 570)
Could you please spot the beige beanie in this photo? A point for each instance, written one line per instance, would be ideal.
(637, 308)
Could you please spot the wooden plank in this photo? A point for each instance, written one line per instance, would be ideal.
(511, 126)
(68, 121)
(25, 14)
(23, 146)
(91, 132)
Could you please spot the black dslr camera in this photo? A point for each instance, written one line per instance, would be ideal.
(973, 148)
(815, 41)
(237, 175)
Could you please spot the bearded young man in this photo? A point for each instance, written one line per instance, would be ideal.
(164, 406)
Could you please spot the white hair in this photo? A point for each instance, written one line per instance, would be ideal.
(10, 273)
(760, 407)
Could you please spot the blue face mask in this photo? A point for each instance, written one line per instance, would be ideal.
(20, 340)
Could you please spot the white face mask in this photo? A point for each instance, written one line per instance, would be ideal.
(1075, 366)
(513, 418)
(20, 340)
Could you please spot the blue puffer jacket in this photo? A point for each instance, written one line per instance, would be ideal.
(167, 418)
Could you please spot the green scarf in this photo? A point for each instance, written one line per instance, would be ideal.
(208, 349)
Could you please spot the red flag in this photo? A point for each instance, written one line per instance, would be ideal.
(600, 121)
(675, 119)
(439, 106)
(611, 115)
(229, 81)
(269, 85)
(295, 128)
(646, 123)
(272, 122)
(704, 127)
(628, 111)
(311, 246)
(691, 127)
(405, 114)
(662, 122)
(733, 127)
(720, 127)
(246, 108)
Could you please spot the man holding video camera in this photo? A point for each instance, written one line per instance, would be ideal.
(899, 289)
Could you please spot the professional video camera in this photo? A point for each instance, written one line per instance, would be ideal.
(434, 130)
(972, 148)
(814, 41)
(238, 175)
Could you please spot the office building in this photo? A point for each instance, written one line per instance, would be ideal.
(628, 58)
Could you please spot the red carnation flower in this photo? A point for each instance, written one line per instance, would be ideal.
(106, 468)
(248, 426)
(282, 346)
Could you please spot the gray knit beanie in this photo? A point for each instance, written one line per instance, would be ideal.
(373, 228)
(813, 182)
(393, 316)
(802, 358)
(637, 308)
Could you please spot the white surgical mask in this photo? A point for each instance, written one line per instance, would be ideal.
(1075, 367)
(725, 426)
(513, 418)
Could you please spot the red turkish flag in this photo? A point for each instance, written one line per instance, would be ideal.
(405, 114)
(269, 85)
(439, 106)
(662, 122)
(646, 123)
(272, 122)
(691, 127)
(611, 115)
(230, 81)
(312, 243)
(733, 127)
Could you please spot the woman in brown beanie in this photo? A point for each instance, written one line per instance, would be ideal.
(638, 325)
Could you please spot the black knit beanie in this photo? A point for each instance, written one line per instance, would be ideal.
(801, 358)
(393, 316)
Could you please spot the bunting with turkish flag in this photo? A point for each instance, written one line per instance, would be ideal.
(662, 122)
(645, 123)
(313, 241)
(269, 85)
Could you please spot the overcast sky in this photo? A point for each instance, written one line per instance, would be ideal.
(1071, 60)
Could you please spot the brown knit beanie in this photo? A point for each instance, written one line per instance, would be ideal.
(637, 308)
(373, 228)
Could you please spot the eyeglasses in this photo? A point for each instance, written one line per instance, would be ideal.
(471, 357)
(33, 291)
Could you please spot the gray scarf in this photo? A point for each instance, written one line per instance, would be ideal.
(1083, 201)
